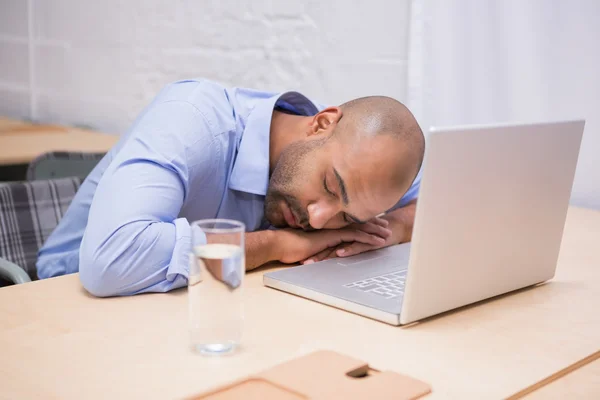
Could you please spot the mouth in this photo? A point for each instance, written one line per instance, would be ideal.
(290, 219)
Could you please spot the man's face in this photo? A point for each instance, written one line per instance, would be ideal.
(329, 183)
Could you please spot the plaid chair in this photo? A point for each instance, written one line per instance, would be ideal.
(29, 212)
(61, 164)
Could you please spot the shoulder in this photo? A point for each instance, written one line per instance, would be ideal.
(187, 112)
(204, 98)
(182, 127)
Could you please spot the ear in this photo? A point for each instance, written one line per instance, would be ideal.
(325, 121)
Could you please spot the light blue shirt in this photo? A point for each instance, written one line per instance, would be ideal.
(199, 150)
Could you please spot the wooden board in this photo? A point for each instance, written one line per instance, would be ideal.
(321, 375)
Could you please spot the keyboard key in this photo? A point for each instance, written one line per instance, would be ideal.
(370, 287)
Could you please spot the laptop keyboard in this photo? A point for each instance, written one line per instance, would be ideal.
(389, 285)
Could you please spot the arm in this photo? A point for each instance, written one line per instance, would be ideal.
(402, 217)
(260, 248)
(401, 222)
(293, 245)
(134, 241)
(393, 228)
(396, 226)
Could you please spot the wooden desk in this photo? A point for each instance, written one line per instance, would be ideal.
(59, 342)
(20, 142)
(7, 124)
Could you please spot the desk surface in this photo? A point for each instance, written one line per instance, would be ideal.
(59, 342)
(21, 142)
(7, 124)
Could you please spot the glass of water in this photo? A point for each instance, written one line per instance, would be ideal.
(215, 285)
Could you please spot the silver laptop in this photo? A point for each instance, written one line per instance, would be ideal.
(490, 218)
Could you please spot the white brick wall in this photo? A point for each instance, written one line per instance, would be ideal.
(99, 62)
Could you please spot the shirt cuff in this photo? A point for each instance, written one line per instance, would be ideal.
(180, 259)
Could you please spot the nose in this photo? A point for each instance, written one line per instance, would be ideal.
(319, 213)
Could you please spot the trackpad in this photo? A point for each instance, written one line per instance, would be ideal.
(346, 262)
(398, 254)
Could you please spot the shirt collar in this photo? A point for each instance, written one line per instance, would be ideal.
(251, 168)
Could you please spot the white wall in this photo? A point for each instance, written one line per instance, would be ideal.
(98, 63)
(492, 61)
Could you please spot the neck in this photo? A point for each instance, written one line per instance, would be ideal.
(285, 130)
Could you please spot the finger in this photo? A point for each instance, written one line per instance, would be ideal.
(367, 238)
(380, 221)
(375, 229)
(323, 255)
(353, 249)
(318, 257)
(332, 253)
(334, 238)
(362, 237)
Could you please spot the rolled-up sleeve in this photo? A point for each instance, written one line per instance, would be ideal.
(134, 241)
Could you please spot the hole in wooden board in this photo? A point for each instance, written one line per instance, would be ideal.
(362, 372)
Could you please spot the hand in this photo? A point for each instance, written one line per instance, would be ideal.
(377, 226)
(295, 245)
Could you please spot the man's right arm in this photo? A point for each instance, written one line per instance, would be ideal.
(135, 241)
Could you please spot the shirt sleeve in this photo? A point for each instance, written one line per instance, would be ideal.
(134, 241)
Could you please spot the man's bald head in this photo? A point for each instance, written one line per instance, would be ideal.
(376, 116)
(381, 115)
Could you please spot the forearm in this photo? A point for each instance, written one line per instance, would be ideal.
(402, 221)
(260, 248)
(134, 258)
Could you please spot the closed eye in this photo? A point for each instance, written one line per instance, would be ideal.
(348, 219)
(327, 187)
